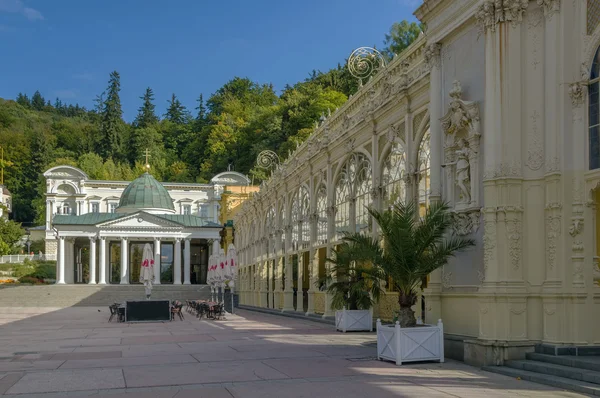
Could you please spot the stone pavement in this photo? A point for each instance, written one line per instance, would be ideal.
(76, 352)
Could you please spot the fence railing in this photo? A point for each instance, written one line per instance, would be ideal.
(19, 258)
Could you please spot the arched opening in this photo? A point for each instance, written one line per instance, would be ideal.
(424, 172)
(393, 176)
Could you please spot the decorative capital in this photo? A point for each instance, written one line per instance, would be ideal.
(550, 7)
(576, 92)
(432, 55)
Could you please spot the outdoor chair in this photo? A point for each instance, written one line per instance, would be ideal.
(218, 312)
(176, 310)
(113, 312)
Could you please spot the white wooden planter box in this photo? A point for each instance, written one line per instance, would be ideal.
(354, 320)
(420, 343)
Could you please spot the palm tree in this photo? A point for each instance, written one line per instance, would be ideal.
(352, 284)
(412, 248)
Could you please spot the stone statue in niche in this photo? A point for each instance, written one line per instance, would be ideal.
(461, 129)
(463, 170)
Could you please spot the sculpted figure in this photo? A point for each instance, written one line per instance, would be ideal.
(463, 170)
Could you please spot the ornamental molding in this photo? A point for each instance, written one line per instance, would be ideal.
(493, 12)
(550, 7)
(553, 225)
(432, 54)
(514, 234)
(577, 94)
(535, 150)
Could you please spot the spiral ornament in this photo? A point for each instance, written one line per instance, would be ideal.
(364, 61)
(267, 159)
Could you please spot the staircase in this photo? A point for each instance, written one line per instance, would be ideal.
(569, 372)
(60, 296)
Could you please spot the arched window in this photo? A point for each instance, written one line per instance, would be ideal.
(423, 172)
(393, 178)
(300, 223)
(594, 114)
(322, 215)
(342, 204)
(282, 222)
(352, 196)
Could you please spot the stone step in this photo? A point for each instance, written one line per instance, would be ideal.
(554, 381)
(582, 362)
(551, 369)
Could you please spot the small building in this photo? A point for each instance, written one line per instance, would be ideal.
(98, 229)
(5, 201)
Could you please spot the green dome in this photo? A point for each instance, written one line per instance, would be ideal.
(146, 193)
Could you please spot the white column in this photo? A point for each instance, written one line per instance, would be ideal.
(102, 263)
(436, 113)
(61, 260)
(177, 266)
(124, 262)
(48, 214)
(92, 261)
(157, 261)
(186, 262)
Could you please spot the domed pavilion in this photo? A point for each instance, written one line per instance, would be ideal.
(111, 242)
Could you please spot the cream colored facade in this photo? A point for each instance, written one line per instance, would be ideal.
(495, 110)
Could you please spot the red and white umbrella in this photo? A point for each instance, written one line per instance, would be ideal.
(231, 265)
(147, 269)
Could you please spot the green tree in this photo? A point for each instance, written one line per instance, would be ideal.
(413, 247)
(146, 115)
(91, 163)
(401, 35)
(142, 139)
(112, 123)
(176, 112)
(23, 100)
(37, 101)
(10, 234)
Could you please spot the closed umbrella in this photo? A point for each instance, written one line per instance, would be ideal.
(231, 265)
(147, 269)
(222, 277)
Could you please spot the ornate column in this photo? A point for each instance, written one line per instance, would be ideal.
(177, 262)
(102, 263)
(288, 293)
(300, 290)
(331, 212)
(92, 260)
(186, 262)
(434, 63)
(124, 261)
(157, 269)
(61, 260)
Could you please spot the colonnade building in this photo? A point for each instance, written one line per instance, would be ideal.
(494, 110)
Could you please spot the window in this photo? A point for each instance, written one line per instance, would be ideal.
(66, 209)
(594, 114)
(187, 209)
(203, 211)
(112, 207)
(322, 215)
(353, 196)
(424, 173)
(95, 208)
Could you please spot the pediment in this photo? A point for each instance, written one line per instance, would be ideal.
(141, 220)
(65, 172)
(94, 197)
(185, 200)
(112, 198)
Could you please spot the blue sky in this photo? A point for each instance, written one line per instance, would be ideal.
(67, 48)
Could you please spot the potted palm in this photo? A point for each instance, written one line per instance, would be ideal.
(409, 248)
(354, 288)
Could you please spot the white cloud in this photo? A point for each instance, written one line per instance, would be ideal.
(17, 6)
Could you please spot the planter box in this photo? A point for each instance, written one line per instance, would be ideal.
(354, 320)
(420, 343)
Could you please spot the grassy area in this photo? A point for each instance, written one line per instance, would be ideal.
(32, 269)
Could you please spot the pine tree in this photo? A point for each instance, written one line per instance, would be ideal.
(58, 103)
(37, 101)
(176, 112)
(112, 122)
(146, 116)
(23, 100)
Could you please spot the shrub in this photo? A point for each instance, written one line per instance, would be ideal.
(29, 279)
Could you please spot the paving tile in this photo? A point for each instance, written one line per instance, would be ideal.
(130, 361)
(68, 380)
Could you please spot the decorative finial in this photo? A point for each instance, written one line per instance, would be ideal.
(147, 153)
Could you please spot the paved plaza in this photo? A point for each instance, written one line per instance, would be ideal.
(76, 352)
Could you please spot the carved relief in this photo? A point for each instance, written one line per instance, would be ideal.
(493, 12)
(550, 7)
(466, 223)
(489, 237)
(576, 92)
(576, 227)
(553, 223)
(446, 279)
(432, 55)
(513, 232)
(535, 152)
